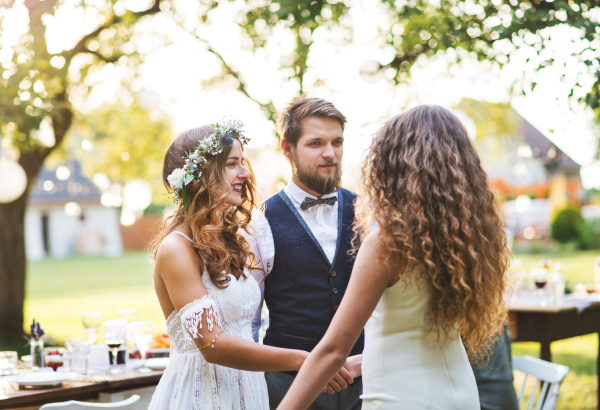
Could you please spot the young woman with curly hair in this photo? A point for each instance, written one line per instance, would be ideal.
(203, 283)
(429, 277)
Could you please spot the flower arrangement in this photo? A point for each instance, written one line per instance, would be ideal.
(36, 331)
(195, 160)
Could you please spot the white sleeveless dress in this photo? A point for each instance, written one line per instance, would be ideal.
(403, 367)
(190, 382)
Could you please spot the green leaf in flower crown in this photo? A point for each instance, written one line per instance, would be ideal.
(186, 198)
(180, 184)
(188, 178)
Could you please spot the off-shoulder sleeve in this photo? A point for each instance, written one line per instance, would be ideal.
(191, 315)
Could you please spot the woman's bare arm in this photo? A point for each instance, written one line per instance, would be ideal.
(370, 277)
(178, 269)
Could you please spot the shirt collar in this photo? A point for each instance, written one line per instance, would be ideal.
(297, 194)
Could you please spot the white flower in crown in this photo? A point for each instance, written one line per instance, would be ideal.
(176, 176)
(195, 160)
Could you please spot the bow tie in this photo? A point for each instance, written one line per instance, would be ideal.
(310, 202)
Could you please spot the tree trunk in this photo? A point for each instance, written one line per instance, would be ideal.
(12, 274)
(12, 236)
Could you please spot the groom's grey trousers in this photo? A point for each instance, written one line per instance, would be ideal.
(278, 384)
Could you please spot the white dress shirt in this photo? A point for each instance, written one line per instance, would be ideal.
(321, 219)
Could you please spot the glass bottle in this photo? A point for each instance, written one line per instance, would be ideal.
(558, 285)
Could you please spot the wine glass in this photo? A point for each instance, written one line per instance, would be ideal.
(131, 315)
(115, 334)
(142, 333)
(91, 325)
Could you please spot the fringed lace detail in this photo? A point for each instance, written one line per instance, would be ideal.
(191, 315)
(190, 382)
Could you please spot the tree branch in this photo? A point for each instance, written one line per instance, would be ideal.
(268, 108)
(102, 57)
(81, 46)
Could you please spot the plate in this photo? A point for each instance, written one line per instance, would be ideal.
(41, 379)
(158, 363)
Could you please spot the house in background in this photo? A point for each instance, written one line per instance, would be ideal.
(65, 217)
(535, 166)
(527, 166)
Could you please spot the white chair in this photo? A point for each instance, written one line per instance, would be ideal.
(129, 404)
(550, 375)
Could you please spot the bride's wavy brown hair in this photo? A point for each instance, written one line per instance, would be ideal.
(425, 187)
(214, 223)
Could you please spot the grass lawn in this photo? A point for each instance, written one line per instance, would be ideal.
(58, 291)
(578, 391)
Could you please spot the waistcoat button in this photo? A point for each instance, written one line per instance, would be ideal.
(333, 274)
(336, 308)
(335, 291)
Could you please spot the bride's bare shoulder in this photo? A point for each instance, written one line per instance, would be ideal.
(176, 254)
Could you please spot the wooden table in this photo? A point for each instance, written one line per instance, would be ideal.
(548, 324)
(75, 390)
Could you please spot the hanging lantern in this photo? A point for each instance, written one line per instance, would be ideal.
(13, 181)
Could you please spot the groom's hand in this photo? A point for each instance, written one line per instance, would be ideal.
(339, 382)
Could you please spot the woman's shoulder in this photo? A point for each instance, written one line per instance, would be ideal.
(177, 252)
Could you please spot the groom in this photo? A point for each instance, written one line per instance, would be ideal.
(303, 240)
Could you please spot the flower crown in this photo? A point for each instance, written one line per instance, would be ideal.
(195, 160)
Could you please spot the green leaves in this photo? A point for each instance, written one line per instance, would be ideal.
(186, 199)
(188, 178)
(424, 28)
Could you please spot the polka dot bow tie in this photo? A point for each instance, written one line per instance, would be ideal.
(310, 202)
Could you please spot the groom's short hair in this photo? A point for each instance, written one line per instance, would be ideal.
(289, 121)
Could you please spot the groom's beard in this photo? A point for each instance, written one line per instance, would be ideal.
(313, 181)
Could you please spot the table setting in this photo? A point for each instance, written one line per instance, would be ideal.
(545, 287)
(132, 355)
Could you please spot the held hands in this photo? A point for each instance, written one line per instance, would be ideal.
(354, 365)
(339, 382)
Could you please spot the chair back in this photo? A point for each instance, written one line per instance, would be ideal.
(550, 376)
(129, 404)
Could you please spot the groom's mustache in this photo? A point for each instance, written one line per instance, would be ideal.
(323, 163)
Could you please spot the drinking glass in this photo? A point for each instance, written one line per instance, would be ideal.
(130, 314)
(115, 334)
(91, 324)
(540, 278)
(142, 333)
(79, 350)
(8, 362)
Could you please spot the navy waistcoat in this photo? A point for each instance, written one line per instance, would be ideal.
(303, 289)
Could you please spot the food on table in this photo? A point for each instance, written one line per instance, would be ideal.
(53, 359)
(160, 341)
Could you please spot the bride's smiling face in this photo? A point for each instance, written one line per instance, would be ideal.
(236, 174)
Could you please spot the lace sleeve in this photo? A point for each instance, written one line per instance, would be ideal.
(191, 315)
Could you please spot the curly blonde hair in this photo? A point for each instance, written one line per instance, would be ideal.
(214, 223)
(425, 187)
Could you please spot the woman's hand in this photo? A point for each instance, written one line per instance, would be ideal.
(339, 382)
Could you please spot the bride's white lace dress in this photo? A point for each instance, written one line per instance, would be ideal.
(190, 382)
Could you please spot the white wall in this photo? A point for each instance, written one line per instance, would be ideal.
(105, 220)
(34, 238)
(64, 231)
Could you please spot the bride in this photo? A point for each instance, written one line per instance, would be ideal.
(428, 278)
(203, 283)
